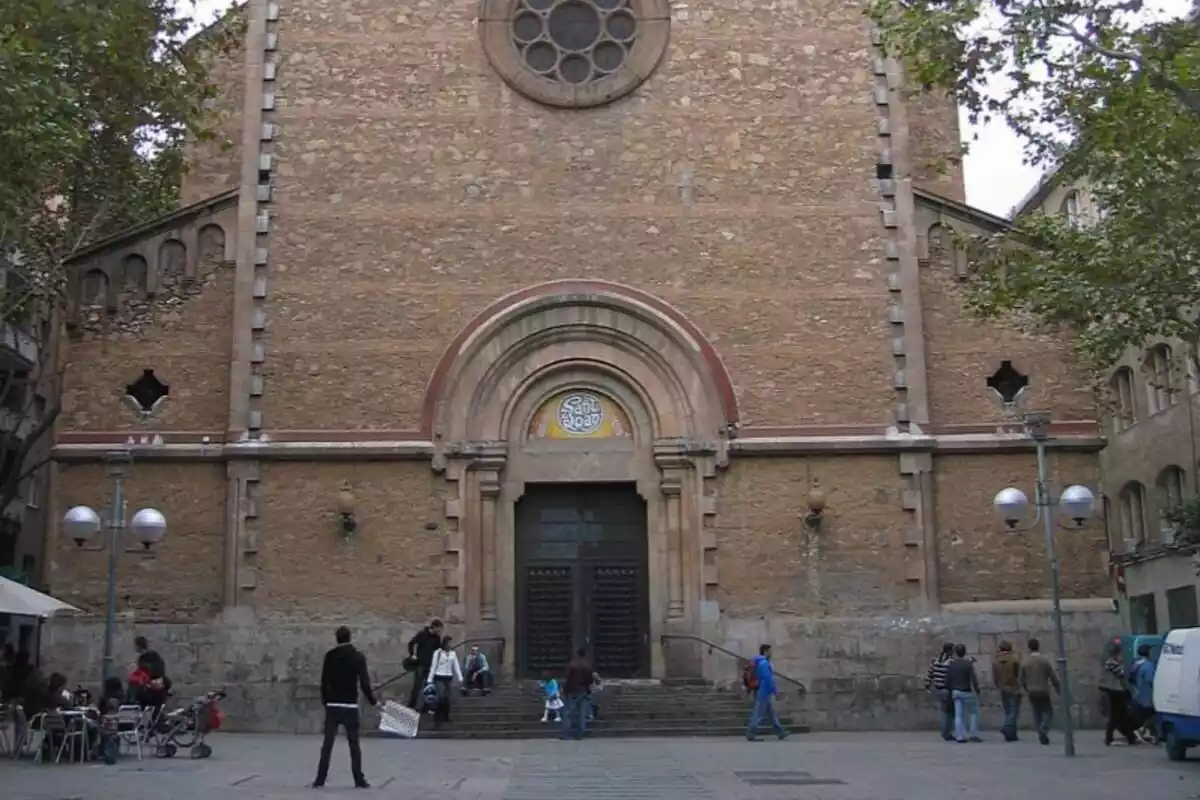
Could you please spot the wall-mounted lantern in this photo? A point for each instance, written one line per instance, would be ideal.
(345, 509)
(816, 507)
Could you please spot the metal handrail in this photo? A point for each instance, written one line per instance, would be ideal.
(714, 646)
(464, 643)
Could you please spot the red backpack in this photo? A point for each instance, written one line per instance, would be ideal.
(750, 676)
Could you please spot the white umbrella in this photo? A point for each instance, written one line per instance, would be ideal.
(16, 598)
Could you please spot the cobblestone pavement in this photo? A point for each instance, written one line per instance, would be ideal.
(916, 766)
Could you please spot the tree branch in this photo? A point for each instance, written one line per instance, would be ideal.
(1188, 98)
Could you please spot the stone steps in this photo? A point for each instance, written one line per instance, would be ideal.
(626, 710)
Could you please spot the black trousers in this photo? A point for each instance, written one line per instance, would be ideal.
(347, 718)
(1120, 718)
(419, 676)
(441, 712)
(479, 679)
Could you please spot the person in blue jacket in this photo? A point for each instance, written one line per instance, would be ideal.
(1141, 685)
(762, 684)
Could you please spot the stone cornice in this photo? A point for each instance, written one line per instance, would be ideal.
(150, 227)
(79, 447)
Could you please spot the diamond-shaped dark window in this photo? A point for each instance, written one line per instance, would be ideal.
(1008, 382)
(147, 391)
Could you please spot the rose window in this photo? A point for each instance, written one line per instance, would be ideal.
(574, 41)
(575, 53)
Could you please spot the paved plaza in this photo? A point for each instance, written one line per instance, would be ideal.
(917, 766)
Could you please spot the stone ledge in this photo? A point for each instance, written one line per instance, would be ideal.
(410, 450)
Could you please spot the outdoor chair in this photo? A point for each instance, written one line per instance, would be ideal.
(133, 727)
(62, 734)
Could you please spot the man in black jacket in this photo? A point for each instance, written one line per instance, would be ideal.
(420, 655)
(343, 674)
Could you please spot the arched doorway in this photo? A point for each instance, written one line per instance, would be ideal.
(577, 424)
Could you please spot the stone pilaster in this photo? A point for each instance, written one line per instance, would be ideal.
(489, 484)
(905, 313)
(249, 301)
(674, 482)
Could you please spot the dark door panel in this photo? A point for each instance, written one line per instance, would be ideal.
(617, 635)
(549, 618)
(581, 555)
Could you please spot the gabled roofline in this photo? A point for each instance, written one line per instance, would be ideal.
(962, 211)
(1038, 194)
(216, 201)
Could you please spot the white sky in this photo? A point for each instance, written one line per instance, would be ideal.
(996, 176)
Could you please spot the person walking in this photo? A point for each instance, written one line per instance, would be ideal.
(343, 674)
(762, 683)
(1037, 677)
(935, 682)
(963, 684)
(1141, 684)
(575, 692)
(443, 672)
(420, 657)
(1116, 693)
(1006, 674)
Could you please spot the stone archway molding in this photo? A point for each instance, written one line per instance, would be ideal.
(638, 332)
(568, 335)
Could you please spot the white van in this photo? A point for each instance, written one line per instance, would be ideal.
(1177, 691)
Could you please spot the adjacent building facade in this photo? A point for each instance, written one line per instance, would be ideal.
(602, 322)
(1150, 462)
(27, 397)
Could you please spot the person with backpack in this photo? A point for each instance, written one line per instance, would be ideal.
(759, 678)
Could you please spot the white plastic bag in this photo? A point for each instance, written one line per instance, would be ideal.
(399, 720)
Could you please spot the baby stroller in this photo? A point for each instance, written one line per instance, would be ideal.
(187, 727)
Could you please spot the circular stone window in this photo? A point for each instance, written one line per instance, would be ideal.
(574, 53)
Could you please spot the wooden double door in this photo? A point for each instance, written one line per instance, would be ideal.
(581, 564)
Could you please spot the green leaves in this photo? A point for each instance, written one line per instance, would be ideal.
(97, 98)
(1185, 516)
(1114, 103)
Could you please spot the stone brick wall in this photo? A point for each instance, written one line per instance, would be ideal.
(861, 674)
(962, 351)
(181, 578)
(215, 165)
(769, 563)
(980, 560)
(414, 187)
(390, 571)
(868, 673)
(937, 151)
(183, 334)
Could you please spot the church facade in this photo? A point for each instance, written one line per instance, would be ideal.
(625, 323)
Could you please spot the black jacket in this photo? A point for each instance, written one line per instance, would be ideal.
(423, 646)
(960, 676)
(153, 663)
(344, 673)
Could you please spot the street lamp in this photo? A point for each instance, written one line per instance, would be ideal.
(81, 524)
(1076, 504)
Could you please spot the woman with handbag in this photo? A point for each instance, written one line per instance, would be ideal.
(443, 672)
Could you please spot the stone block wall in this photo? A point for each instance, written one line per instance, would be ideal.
(868, 673)
(861, 673)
